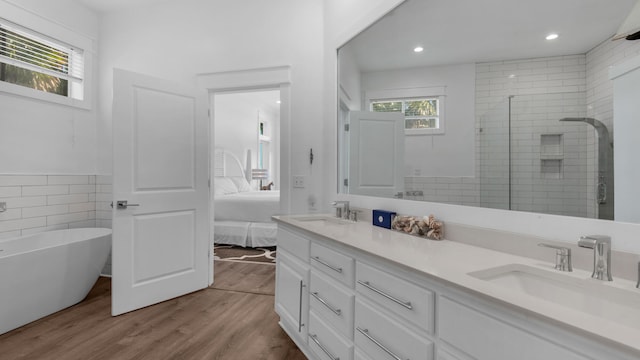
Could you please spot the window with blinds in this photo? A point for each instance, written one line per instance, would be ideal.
(35, 61)
(421, 113)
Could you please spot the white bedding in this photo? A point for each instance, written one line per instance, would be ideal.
(252, 206)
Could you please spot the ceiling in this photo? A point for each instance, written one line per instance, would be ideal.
(468, 31)
(113, 5)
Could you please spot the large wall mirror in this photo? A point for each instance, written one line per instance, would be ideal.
(496, 103)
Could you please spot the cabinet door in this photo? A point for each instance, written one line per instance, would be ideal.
(443, 355)
(484, 336)
(292, 294)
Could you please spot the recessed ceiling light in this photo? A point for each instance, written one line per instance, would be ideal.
(418, 49)
(552, 36)
(278, 102)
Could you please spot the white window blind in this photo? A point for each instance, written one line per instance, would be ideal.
(36, 61)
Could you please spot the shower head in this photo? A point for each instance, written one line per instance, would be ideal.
(601, 129)
(591, 121)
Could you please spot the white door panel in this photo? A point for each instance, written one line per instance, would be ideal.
(161, 241)
(376, 153)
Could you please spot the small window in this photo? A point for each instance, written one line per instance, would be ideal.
(35, 61)
(422, 115)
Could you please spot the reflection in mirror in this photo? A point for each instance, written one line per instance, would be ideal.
(487, 112)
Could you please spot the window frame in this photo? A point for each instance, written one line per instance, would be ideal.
(14, 16)
(437, 92)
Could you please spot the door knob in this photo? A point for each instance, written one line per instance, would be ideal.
(123, 204)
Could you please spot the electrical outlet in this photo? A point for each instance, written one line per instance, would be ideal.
(298, 181)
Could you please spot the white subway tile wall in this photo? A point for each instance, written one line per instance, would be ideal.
(102, 198)
(37, 203)
(545, 177)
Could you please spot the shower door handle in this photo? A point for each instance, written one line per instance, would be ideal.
(123, 204)
(602, 192)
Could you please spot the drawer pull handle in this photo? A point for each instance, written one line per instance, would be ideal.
(336, 269)
(329, 354)
(300, 324)
(366, 284)
(365, 332)
(324, 302)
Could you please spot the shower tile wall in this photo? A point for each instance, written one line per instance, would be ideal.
(544, 90)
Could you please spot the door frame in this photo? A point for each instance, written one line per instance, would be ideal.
(278, 77)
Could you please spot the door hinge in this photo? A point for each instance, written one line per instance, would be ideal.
(346, 182)
(346, 127)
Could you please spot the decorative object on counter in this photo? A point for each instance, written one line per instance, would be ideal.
(383, 218)
(267, 187)
(426, 226)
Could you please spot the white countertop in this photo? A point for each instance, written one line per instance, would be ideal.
(451, 262)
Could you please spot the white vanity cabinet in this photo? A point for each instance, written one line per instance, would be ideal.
(338, 301)
(292, 284)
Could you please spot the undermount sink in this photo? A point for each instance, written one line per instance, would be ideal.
(322, 220)
(587, 295)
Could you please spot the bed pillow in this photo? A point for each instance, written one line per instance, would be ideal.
(241, 183)
(224, 186)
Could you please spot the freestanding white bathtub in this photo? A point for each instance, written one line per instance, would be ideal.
(47, 272)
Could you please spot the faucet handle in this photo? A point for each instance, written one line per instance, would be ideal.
(563, 257)
(353, 215)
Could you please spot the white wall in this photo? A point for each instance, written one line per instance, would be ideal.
(40, 137)
(216, 36)
(559, 228)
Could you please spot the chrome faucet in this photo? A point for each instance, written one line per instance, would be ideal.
(601, 245)
(342, 209)
(563, 257)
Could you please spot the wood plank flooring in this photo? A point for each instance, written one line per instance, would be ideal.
(245, 277)
(234, 319)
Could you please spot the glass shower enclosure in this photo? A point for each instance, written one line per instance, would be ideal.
(546, 153)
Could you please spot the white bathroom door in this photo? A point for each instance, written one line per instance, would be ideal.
(160, 167)
(376, 153)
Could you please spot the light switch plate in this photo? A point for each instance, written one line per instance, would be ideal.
(298, 181)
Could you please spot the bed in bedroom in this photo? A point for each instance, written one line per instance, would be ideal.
(242, 214)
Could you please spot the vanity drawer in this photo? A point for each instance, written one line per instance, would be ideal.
(380, 337)
(332, 302)
(332, 263)
(325, 342)
(404, 299)
(294, 243)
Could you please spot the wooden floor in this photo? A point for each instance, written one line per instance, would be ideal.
(234, 319)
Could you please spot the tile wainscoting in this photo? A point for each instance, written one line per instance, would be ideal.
(37, 203)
